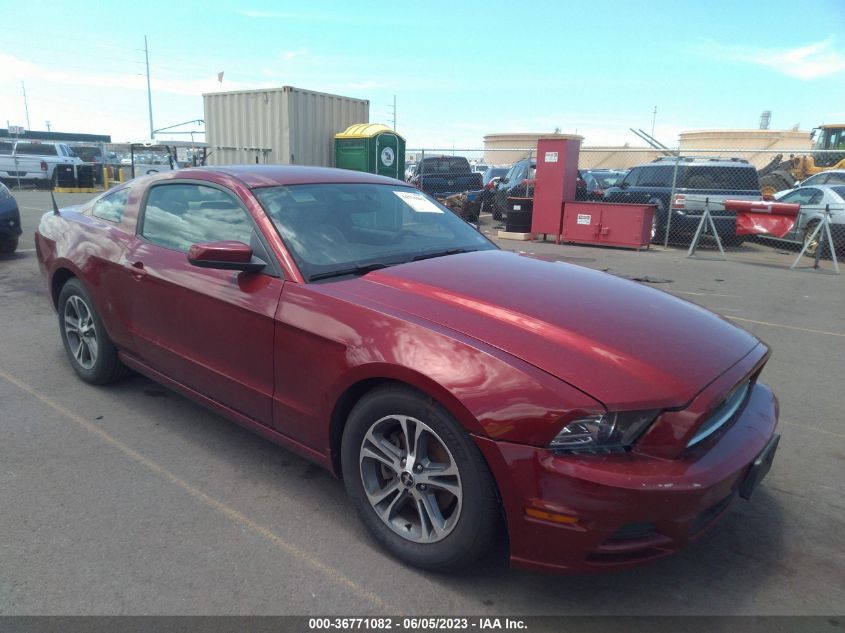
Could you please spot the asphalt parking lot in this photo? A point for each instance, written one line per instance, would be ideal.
(133, 500)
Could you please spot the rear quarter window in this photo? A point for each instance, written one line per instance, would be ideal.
(445, 164)
(720, 178)
(112, 206)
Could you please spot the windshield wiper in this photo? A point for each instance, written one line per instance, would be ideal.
(451, 251)
(353, 270)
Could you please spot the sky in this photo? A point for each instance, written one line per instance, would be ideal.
(458, 70)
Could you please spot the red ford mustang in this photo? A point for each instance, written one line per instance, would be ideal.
(464, 394)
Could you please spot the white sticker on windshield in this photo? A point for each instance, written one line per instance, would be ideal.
(418, 202)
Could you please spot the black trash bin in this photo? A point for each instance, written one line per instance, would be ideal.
(518, 218)
(65, 176)
(85, 176)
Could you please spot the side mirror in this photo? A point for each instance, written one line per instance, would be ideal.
(224, 256)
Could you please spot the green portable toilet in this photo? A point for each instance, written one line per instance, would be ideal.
(371, 147)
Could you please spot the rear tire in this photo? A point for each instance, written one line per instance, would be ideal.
(91, 353)
(418, 481)
(658, 223)
(496, 210)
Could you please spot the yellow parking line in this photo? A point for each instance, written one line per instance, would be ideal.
(218, 506)
(788, 327)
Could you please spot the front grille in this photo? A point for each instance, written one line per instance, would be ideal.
(633, 531)
(723, 413)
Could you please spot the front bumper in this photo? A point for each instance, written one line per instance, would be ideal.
(623, 509)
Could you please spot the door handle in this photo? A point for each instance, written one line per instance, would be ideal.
(138, 271)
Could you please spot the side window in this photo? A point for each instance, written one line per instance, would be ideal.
(656, 176)
(111, 207)
(803, 196)
(633, 177)
(835, 178)
(176, 216)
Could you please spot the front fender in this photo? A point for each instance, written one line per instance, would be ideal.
(340, 344)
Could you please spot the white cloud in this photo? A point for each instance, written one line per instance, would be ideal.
(16, 70)
(292, 16)
(808, 62)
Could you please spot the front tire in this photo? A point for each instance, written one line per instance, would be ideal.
(814, 244)
(8, 245)
(91, 353)
(417, 480)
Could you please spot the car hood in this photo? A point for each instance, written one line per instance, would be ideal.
(625, 344)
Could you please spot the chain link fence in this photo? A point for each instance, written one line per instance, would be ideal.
(683, 186)
(30, 164)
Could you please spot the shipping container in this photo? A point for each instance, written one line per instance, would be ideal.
(281, 126)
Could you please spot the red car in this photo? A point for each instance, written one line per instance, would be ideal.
(463, 393)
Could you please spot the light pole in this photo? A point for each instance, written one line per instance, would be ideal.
(149, 92)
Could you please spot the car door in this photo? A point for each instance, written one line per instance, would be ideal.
(209, 329)
(810, 200)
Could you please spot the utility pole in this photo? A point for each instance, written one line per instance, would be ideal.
(47, 123)
(149, 92)
(25, 106)
(653, 120)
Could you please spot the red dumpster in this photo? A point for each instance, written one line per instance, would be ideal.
(608, 224)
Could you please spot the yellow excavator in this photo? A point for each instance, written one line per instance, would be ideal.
(785, 173)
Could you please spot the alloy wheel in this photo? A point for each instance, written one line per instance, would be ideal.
(80, 331)
(410, 478)
(811, 244)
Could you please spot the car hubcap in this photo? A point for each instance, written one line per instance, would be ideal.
(811, 244)
(411, 479)
(80, 332)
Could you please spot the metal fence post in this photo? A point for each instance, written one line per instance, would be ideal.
(671, 198)
(422, 168)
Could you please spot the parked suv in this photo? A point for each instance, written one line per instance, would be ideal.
(696, 180)
(517, 183)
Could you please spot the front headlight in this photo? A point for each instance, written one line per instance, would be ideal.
(4, 192)
(613, 432)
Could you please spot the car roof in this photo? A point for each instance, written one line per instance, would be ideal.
(825, 187)
(275, 175)
(698, 161)
(827, 171)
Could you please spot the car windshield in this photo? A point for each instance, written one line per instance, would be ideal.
(839, 190)
(608, 179)
(338, 229)
(492, 173)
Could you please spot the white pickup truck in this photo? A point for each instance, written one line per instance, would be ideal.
(33, 161)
